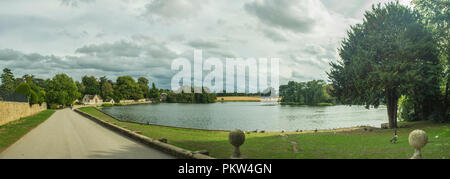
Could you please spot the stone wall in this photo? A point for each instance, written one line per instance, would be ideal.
(11, 111)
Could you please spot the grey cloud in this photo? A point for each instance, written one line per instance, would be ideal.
(119, 49)
(75, 3)
(282, 14)
(203, 44)
(18, 60)
(274, 36)
(73, 35)
(351, 8)
(149, 59)
(174, 8)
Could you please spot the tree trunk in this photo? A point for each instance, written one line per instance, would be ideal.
(392, 103)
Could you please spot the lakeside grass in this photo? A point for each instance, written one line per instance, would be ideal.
(356, 144)
(13, 131)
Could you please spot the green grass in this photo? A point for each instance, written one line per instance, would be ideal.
(351, 144)
(13, 131)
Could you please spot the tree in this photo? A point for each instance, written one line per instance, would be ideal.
(23, 88)
(81, 87)
(143, 84)
(92, 86)
(309, 93)
(437, 16)
(8, 84)
(107, 91)
(390, 54)
(127, 88)
(154, 92)
(31, 91)
(61, 90)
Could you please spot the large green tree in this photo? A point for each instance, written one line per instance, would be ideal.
(154, 92)
(143, 84)
(305, 93)
(127, 88)
(92, 86)
(390, 54)
(61, 90)
(106, 86)
(8, 84)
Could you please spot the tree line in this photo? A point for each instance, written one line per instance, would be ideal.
(315, 92)
(125, 88)
(182, 97)
(62, 90)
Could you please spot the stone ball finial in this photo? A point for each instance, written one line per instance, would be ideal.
(236, 138)
(418, 139)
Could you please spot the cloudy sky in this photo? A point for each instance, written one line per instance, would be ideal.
(141, 37)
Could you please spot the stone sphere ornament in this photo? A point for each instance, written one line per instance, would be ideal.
(418, 139)
(236, 138)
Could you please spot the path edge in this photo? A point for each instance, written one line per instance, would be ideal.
(150, 142)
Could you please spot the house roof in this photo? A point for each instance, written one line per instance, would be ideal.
(89, 96)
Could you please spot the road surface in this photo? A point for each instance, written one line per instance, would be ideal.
(67, 135)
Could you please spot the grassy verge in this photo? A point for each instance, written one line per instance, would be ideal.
(351, 144)
(13, 131)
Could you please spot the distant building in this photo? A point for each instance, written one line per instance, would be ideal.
(92, 99)
(109, 101)
(141, 100)
(126, 101)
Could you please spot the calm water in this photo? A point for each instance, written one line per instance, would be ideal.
(250, 116)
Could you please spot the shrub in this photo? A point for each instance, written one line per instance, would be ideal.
(23, 88)
(53, 106)
(406, 109)
(34, 98)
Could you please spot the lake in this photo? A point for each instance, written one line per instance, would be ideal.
(249, 116)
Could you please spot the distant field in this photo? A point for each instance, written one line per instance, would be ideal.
(239, 98)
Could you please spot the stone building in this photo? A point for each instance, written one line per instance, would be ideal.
(92, 99)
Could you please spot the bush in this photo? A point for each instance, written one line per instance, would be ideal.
(23, 88)
(118, 104)
(53, 106)
(406, 109)
(34, 98)
(324, 104)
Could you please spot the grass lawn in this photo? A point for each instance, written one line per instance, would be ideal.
(351, 144)
(13, 131)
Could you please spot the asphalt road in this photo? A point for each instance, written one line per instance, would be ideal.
(68, 135)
